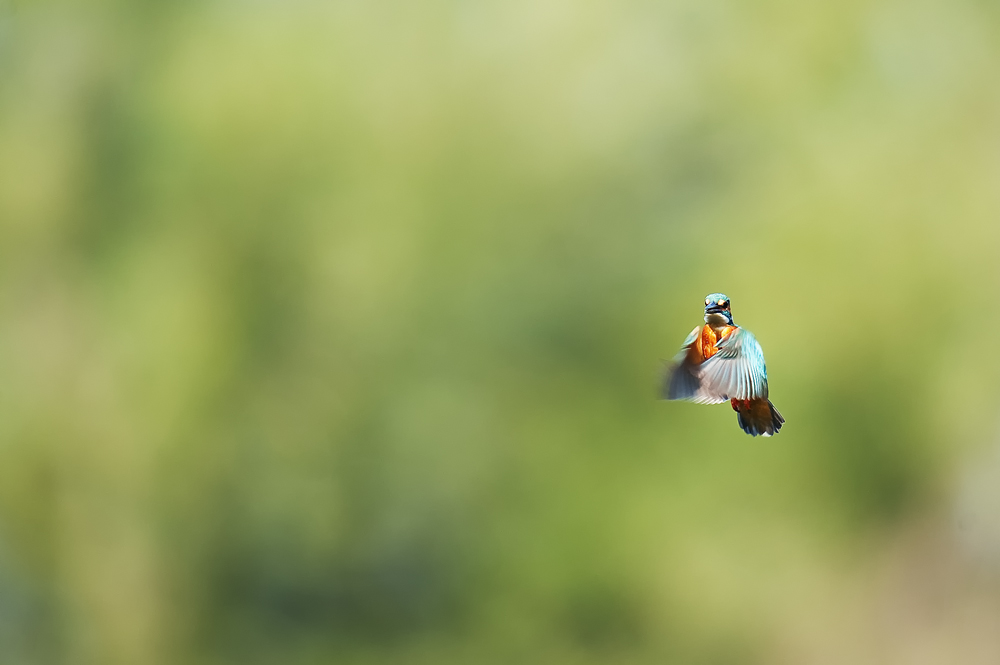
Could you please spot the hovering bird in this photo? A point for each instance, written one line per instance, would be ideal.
(721, 361)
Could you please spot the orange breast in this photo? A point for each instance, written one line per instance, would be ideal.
(707, 343)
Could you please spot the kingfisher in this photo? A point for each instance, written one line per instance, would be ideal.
(721, 361)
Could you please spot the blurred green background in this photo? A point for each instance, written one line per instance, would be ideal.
(331, 332)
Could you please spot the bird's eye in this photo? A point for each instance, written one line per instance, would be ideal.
(726, 305)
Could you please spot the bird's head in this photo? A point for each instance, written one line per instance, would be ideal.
(717, 312)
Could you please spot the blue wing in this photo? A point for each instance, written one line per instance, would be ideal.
(683, 380)
(682, 377)
(737, 371)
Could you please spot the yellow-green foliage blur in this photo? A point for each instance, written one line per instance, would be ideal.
(332, 332)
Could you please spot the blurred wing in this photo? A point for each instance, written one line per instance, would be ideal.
(683, 378)
(737, 371)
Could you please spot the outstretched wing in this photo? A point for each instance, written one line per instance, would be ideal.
(683, 379)
(737, 371)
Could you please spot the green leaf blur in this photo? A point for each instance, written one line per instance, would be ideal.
(332, 332)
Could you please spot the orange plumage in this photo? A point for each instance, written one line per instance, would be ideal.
(706, 345)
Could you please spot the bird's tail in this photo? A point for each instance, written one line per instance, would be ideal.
(757, 416)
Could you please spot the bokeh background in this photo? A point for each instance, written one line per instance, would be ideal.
(331, 332)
